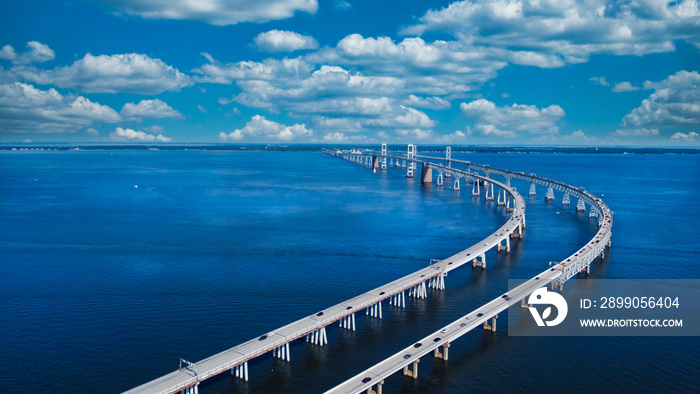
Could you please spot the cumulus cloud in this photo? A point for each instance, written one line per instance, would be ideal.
(427, 102)
(155, 109)
(215, 12)
(37, 53)
(683, 137)
(639, 132)
(624, 87)
(600, 81)
(571, 30)
(128, 73)
(261, 129)
(341, 5)
(675, 102)
(507, 121)
(130, 135)
(24, 108)
(283, 41)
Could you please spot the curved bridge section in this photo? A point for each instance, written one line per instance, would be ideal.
(312, 329)
(408, 358)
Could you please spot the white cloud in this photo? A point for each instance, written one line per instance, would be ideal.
(154, 129)
(24, 108)
(639, 132)
(571, 30)
(129, 73)
(215, 12)
(261, 129)
(675, 102)
(284, 41)
(624, 87)
(427, 102)
(600, 81)
(341, 5)
(155, 109)
(92, 131)
(683, 137)
(506, 121)
(37, 53)
(120, 134)
(201, 108)
(267, 70)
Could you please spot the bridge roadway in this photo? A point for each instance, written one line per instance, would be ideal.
(189, 378)
(556, 276)
(444, 336)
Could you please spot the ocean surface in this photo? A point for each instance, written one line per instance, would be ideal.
(114, 264)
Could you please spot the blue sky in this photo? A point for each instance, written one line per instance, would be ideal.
(538, 72)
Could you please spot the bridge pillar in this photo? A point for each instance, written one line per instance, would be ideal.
(379, 388)
(505, 247)
(491, 327)
(560, 287)
(240, 371)
(412, 374)
(282, 352)
(191, 390)
(456, 186)
(489, 187)
(410, 156)
(533, 190)
(374, 310)
(508, 203)
(439, 179)
(549, 195)
(418, 291)
(445, 349)
(581, 206)
(448, 159)
(348, 322)
(475, 188)
(519, 230)
(383, 157)
(501, 200)
(437, 282)
(391, 162)
(523, 304)
(426, 173)
(566, 199)
(479, 263)
(398, 299)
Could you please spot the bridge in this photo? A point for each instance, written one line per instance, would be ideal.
(312, 329)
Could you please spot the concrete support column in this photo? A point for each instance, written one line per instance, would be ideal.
(523, 304)
(444, 354)
(412, 374)
(475, 188)
(533, 190)
(501, 197)
(426, 173)
(505, 247)
(491, 327)
(489, 188)
(479, 263)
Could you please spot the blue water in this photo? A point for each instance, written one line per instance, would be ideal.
(104, 286)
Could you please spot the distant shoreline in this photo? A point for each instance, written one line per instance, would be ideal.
(316, 147)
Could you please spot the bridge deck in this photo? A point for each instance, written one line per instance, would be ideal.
(447, 334)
